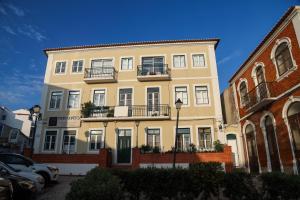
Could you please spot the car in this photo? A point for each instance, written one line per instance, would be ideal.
(38, 180)
(18, 161)
(21, 188)
(6, 189)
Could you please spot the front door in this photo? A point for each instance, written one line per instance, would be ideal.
(124, 146)
(231, 141)
(251, 145)
(274, 157)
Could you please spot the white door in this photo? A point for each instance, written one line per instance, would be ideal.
(231, 141)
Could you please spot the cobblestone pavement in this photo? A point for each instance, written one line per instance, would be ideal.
(57, 191)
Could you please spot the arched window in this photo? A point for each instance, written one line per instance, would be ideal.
(243, 93)
(260, 75)
(283, 58)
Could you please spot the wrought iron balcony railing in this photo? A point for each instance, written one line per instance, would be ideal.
(153, 70)
(136, 111)
(100, 73)
(263, 92)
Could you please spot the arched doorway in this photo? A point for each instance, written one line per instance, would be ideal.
(293, 115)
(231, 141)
(272, 143)
(251, 146)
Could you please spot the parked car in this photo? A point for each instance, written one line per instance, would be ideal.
(22, 188)
(38, 180)
(48, 172)
(6, 189)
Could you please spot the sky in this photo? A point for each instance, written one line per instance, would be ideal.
(29, 26)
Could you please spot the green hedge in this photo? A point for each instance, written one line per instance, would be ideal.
(202, 181)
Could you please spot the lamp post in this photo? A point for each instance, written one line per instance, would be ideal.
(35, 112)
(105, 125)
(137, 123)
(178, 104)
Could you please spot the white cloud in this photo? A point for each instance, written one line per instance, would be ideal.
(9, 30)
(229, 57)
(17, 11)
(32, 32)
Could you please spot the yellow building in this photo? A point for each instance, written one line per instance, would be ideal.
(133, 88)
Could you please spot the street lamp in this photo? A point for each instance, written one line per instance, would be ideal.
(137, 123)
(178, 104)
(105, 125)
(35, 112)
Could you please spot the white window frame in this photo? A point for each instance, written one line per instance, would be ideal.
(62, 140)
(77, 66)
(50, 96)
(98, 89)
(188, 95)
(44, 138)
(191, 133)
(124, 87)
(205, 60)
(242, 104)
(185, 60)
(102, 58)
(160, 136)
(208, 94)
(212, 134)
(79, 103)
(89, 140)
(133, 62)
(60, 61)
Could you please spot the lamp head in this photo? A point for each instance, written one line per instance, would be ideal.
(178, 104)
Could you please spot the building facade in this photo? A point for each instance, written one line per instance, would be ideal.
(267, 93)
(121, 96)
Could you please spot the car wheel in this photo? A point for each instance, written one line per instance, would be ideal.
(45, 176)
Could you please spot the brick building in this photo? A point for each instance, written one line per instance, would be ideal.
(267, 96)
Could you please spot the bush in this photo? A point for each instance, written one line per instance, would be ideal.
(239, 185)
(280, 186)
(219, 147)
(98, 184)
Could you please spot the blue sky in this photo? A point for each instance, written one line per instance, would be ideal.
(27, 27)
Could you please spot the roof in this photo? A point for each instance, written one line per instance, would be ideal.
(134, 44)
(277, 25)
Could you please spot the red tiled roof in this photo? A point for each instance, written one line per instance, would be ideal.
(288, 12)
(134, 43)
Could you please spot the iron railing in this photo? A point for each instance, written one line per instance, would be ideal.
(262, 91)
(150, 70)
(159, 110)
(100, 72)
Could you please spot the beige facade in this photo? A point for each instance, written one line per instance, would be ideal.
(201, 110)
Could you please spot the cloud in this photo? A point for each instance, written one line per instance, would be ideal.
(9, 30)
(32, 32)
(3, 11)
(229, 57)
(17, 11)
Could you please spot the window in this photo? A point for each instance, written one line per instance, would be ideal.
(102, 63)
(77, 66)
(125, 97)
(198, 60)
(60, 68)
(1, 129)
(283, 58)
(243, 93)
(204, 135)
(201, 95)
(69, 140)
(153, 137)
(50, 140)
(126, 63)
(55, 100)
(179, 61)
(95, 140)
(182, 94)
(73, 101)
(153, 65)
(99, 97)
(183, 139)
(13, 135)
(153, 100)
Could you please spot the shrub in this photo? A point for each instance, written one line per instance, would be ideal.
(87, 109)
(218, 146)
(238, 185)
(280, 186)
(98, 184)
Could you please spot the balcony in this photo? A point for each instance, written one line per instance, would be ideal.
(159, 72)
(261, 96)
(136, 112)
(100, 75)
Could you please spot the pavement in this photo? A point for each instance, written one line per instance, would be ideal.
(58, 190)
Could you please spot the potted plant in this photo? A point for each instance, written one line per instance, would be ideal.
(155, 150)
(192, 148)
(145, 148)
(87, 108)
(218, 146)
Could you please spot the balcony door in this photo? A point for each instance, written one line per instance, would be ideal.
(153, 101)
(261, 84)
(272, 144)
(102, 67)
(251, 146)
(125, 99)
(152, 65)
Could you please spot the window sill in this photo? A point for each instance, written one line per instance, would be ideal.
(286, 74)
